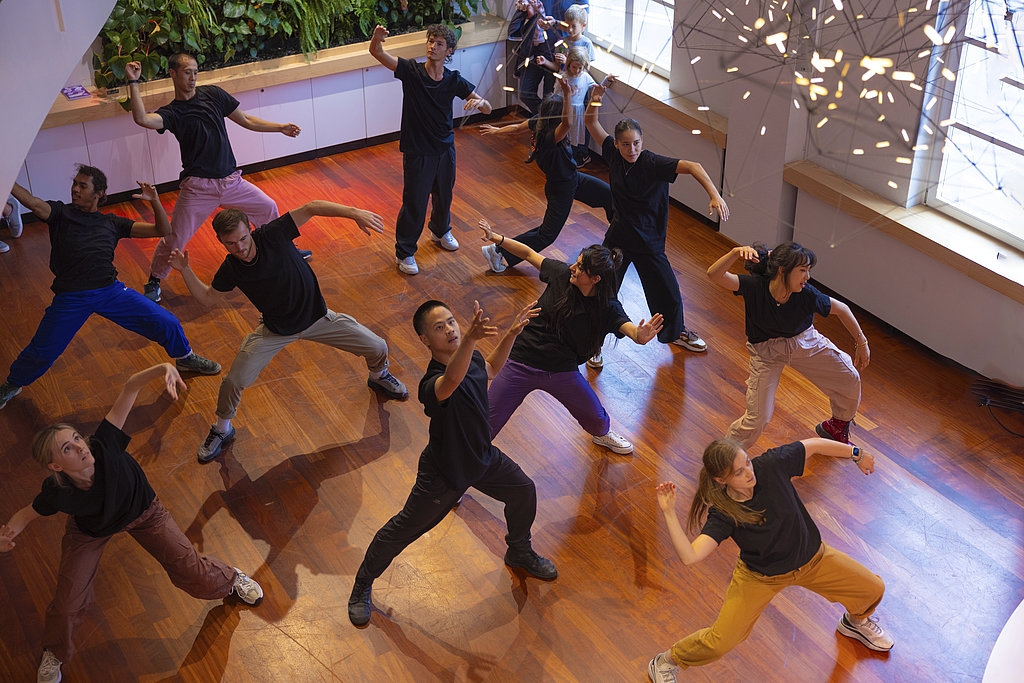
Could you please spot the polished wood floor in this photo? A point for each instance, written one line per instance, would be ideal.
(321, 463)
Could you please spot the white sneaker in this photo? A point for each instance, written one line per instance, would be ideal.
(246, 588)
(14, 220)
(407, 265)
(614, 443)
(869, 633)
(4, 247)
(446, 241)
(661, 671)
(495, 261)
(690, 341)
(596, 361)
(49, 669)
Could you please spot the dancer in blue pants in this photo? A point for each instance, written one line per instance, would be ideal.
(82, 243)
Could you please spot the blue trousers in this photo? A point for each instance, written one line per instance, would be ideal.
(67, 313)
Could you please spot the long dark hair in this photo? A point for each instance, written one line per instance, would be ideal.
(597, 261)
(550, 114)
(718, 459)
(785, 257)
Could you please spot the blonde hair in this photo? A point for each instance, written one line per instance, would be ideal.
(577, 54)
(44, 445)
(718, 460)
(576, 13)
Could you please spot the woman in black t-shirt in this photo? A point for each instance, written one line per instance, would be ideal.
(754, 503)
(103, 490)
(578, 308)
(780, 305)
(639, 181)
(564, 182)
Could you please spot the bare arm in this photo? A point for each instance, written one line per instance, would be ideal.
(476, 102)
(689, 552)
(488, 129)
(205, 294)
(645, 331)
(719, 270)
(250, 122)
(126, 400)
(17, 524)
(458, 364)
(861, 354)
(162, 226)
(590, 118)
(837, 449)
(380, 34)
(516, 248)
(496, 358)
(34, 204)
(366, 220)
(562, 129)
(702, 177)
(153, 121)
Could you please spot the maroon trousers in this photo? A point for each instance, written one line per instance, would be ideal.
(202, 577)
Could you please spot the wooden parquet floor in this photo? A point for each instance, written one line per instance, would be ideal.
(320, 463)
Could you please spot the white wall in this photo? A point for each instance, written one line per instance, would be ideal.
(42, 42)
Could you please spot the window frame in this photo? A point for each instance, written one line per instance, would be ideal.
(626, 50)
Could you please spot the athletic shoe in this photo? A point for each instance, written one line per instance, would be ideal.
(869, 633)
(215, 441)
(662, 671)
(4, 247)
(446, 241)
(14, 222)
(193, 362)
(534, 564)
(407, 265)
(359, 605)
(389, 384)
(7, 392)
(690, 341)
(306, 254)
(596, 361)
(49, 669)
(583, 162)
(614, 443)
(246, 588)
(495, 261)
(835, 429)
(151, 290)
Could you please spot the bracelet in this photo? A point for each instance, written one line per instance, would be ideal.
(864, 343)
(502, 241)
(855, 456)
(134, 80)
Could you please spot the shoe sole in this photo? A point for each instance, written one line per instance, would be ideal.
(235, 597)
(849, 632)
(12, 396)
(688, 347)
(156, 300)
(225, 442)
(359, 622)
(407, 272)
(619, 450)
(825, 435)
(377, 387)
(196, 371)
(525, 569)
(444, 246)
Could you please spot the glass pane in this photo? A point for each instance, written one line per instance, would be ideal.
(652, 32)
(986, 103)
(972, 168)
(607, 23)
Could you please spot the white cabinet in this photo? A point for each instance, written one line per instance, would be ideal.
(382, 93)
(288, 103)
(338, 108)
(51, 161)
(119, 148)
(246, 144)
(165, 155)
(478, 65)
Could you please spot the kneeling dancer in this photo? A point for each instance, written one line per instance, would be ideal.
(459, 454)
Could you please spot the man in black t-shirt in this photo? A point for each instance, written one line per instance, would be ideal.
(460, 454)
(82, 243)
(282, 286)
(209, 178)
(427, 139)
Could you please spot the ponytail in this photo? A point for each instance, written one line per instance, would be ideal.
(718, 459)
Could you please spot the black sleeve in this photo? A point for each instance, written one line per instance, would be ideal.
(123, 226)
(45, 502)
(404, 69)
(746, 286)
(223, 280)
(822, 303)
(282, 229)
(463, 88)
(111, 438)
(168, 117)
(225, 101)
(56, 211)
(788, 459)
(551, 270)
(608, 149)
(616, 318)
(664, 168)
(427, 396)
(718, 526)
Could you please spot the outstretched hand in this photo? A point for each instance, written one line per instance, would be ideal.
(479, 326)
(368, 220)
(718, 204)
(523, 319)
(473, 103)
(488, 232)
(380, 34)
(648, 330)
(6, 538)
(488, 129)
(178, 259)
(173, 381)
(146, 192)
(666, 496)
(291, 130)
(747, 254)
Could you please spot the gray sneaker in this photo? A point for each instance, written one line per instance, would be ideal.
(407, 265)
(193, 362)
(661, 671)
(446, 241)
(495, 261)
(49, 669)
(4, 247)
(14, 222)
(7, 392)
(690, 341)
(389, 384)
(214, 442)
(151, 290)
(246, 588)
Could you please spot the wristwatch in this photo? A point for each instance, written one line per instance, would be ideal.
(855, 456)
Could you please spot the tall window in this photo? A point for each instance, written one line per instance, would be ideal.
(980, 178)
(639, 30)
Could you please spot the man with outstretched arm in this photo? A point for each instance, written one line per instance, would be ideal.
(427, 139)
(209, 177)
(282, 286)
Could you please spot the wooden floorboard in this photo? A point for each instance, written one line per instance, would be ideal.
(320, 463)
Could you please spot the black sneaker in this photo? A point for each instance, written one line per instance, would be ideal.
(7, 392)
(389, 384)
(534, 564)
(215, 441)
(193, 362)
(151, 290)
(359, 605)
